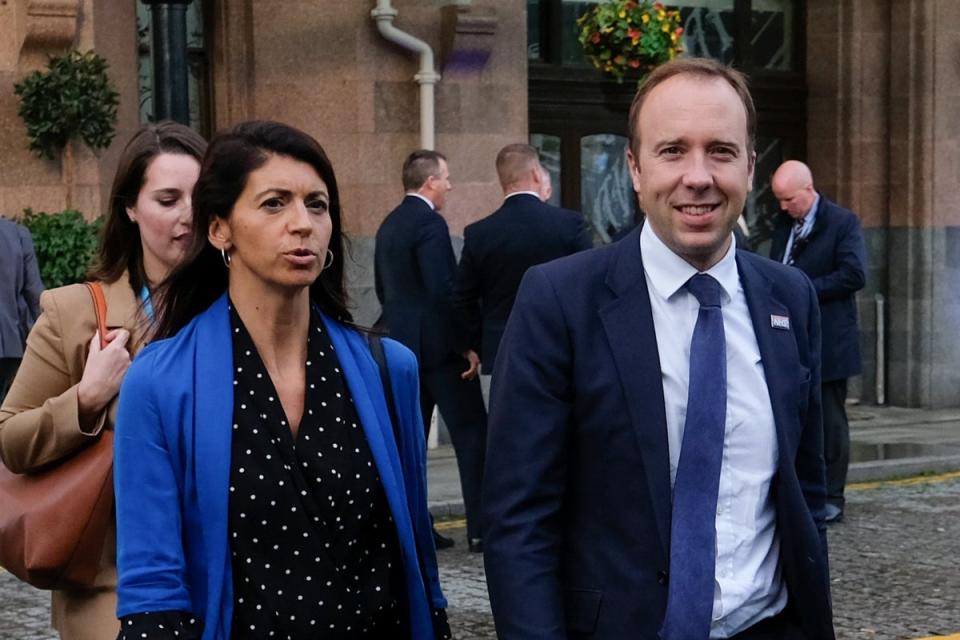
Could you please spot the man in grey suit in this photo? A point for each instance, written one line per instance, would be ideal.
(20, 289)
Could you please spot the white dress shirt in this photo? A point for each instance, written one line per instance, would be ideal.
(808, 220)
(748, 585)
(517, 193)
(424, 198)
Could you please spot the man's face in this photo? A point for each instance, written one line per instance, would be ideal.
(794, 199)
(439, 185)
(693, 167)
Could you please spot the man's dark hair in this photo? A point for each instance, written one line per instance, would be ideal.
(232, 156)
(703, 68)
(420, 165)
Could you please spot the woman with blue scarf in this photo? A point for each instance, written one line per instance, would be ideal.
(263, 489)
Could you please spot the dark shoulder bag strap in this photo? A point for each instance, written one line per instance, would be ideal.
(376, 349)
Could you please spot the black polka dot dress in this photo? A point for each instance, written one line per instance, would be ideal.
(314, 551)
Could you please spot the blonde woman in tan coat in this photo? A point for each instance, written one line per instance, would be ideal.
(66, 389)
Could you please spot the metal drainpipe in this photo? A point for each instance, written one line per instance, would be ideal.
(170, 73)
(427, 77)
(881, 360)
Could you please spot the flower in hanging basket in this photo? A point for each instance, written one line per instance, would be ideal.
(622, 35)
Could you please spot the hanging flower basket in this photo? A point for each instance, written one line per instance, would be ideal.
(624, 36)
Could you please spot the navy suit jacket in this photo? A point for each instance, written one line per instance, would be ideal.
(414, 267)
(577, 499)
(497, 251)
(20, 288)
(834, 257)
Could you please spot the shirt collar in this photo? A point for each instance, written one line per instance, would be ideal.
(526, 193)
(424, 198)
(667, 272)
(811, 215)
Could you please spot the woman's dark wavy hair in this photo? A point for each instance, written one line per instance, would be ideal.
(232, 156)
(120, 249)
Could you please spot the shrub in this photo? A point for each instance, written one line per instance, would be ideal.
(73, 98)
(65, 244)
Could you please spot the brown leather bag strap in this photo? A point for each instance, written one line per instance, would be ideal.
(100, 308)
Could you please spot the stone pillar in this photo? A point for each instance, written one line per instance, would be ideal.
(885, 141)
(924, 207)
(848, 136)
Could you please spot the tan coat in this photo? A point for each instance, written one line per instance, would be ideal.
(39, 424)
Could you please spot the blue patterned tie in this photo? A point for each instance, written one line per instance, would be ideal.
(693, 530)
(797, 237)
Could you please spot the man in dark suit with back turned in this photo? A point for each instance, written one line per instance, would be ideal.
(414, 267)
(499, 249)
(655, 409)
(824, 241)
(20, 289)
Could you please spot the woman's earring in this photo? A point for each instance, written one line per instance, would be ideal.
(329, 260)
(226, 258)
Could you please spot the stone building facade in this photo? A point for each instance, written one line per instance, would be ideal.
(880, 81)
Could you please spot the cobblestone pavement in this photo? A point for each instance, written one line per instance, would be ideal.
(894, 563)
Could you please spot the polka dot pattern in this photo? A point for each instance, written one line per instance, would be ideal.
(312, 541)
(177, 625)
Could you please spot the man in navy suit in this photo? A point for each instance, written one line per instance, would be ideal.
(20, 289)
(824, 241)
(655, 409)
(499, 249)
(414, 268)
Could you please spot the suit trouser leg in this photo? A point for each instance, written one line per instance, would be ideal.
(461, 405)
(836, 439)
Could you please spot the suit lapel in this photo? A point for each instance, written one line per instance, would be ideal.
(778, 353)
(628, 323)
(821, 221)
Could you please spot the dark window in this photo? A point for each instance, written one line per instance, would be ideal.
(583, 114)
(198, 83)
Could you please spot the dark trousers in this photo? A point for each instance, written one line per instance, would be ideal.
(8, 370)
(836, 438)
(461, 405)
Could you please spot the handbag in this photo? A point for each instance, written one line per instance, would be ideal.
(54, 522)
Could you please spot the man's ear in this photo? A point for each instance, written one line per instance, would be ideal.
(634, 171)
(751, 165)
(218, 233)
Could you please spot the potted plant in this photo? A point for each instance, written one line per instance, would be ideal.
(72, 99)
(629, 36)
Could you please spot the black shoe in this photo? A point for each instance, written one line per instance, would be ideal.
(834, 514)
(442, 542)
(475, 545)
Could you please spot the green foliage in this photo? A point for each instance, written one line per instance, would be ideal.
(65, 244)
(73, 98)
